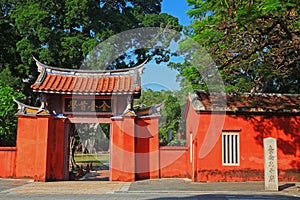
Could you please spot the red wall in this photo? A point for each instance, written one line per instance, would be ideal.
(173, 162)
(192, 126)
(146, 148)
(8, 162)
(42, 148)
(252, 129)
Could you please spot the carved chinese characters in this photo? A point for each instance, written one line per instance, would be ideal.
(78, 105)
(270, 164)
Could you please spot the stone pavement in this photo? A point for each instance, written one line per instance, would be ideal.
(70, 187)
(160, 186)
(8, 184)
(185, 185)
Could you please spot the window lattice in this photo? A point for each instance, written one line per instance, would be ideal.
(230, 149)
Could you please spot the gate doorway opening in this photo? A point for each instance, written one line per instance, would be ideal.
(90, 151)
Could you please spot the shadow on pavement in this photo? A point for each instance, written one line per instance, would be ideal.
(285, 186)
(228, 197)
(98, 175)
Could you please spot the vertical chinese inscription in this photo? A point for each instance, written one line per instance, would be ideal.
(270, 164)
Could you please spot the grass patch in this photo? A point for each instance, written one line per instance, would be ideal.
(88, 158)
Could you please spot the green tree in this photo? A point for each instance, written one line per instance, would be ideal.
(150, 98)
(255, 44)
(169, 119)
(62, 33)
(8, 119)
(171, 105)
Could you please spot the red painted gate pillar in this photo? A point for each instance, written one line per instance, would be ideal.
(42, 148)
(147, 148)
(32, 140)
(122, 149)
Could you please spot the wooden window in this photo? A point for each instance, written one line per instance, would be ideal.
(230, 149)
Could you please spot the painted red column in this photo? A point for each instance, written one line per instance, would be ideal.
(122, 165)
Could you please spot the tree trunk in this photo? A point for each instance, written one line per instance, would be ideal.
(72, 153)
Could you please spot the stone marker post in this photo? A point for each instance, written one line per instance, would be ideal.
(270, 161)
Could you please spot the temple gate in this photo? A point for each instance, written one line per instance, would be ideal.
(84, 96)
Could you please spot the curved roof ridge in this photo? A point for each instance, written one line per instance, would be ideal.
(264, 94)
(251, 94)
(87, 82)
(42, 66)
(249, 102)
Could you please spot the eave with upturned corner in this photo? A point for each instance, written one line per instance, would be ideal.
(88, 82)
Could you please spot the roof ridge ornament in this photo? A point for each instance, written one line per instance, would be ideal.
(24, 109)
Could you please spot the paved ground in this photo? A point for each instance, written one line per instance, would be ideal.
(8, 184)
(148, 189)
(187, 185)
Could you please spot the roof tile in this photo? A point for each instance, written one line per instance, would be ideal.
(83, 84)
(122, 84)
(117, 83)
(67, 84)
(72, 85)
(44, 84)
(78, 84)
(111, 84)
(127, 83)
(100, 84)
(261, 102)
(94, 84)
(61, 83)
(88, 84)
(58, 83)
(105, 84)
(50, 82)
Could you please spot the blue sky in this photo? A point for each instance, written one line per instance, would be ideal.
(160, 76)
(176, 8)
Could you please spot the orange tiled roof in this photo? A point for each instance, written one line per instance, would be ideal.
(257, 102)
(84, 82)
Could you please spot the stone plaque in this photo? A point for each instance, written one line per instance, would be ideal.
(270, 161)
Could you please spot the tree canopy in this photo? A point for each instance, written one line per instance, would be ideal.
(8, 120)
(62, 33)
(255, 44)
